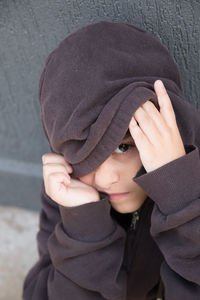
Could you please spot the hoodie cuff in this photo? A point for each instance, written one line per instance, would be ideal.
(88, 222)
(175, 184)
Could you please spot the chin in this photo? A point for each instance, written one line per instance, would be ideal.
(123, 208)
(130, 204)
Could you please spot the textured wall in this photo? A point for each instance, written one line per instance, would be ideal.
(29, 30)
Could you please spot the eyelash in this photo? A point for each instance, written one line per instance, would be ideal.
(130, 145)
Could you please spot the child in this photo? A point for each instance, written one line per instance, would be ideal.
(121, 190)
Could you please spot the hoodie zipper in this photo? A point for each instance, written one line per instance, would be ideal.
(134, 221)
(131, 232)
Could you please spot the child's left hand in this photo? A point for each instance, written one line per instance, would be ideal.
(157, 136)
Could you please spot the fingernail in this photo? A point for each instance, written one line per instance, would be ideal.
(159, 83)
(70, 168)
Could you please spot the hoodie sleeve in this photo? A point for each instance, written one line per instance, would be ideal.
(175, 222)
(80, 254)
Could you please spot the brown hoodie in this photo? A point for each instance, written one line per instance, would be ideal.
(91, 251)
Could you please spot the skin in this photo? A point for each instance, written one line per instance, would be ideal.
(155, 133)
(154, 141)
(115, 175)
(157, 141)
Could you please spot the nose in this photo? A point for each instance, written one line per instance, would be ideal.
(106, 175)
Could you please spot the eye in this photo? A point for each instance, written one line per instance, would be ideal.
(124, 148)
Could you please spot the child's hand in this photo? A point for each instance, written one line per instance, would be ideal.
(60, 187)
(157, 136)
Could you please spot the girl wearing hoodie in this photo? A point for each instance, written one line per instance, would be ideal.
(120, 196)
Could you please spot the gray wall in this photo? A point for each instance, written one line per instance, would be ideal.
(30, 30)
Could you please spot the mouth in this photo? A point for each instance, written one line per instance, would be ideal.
(117, 196)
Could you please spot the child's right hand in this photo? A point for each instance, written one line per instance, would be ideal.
(60, 187)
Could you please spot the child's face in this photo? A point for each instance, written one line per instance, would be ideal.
(115, 175)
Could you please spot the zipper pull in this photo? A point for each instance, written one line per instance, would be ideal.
(134, 220)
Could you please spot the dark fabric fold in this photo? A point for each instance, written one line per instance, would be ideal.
(95, 80)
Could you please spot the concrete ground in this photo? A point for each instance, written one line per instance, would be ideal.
(18, 251)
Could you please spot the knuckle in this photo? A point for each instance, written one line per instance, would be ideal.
(43, 158)
(51, 178)
(52, 174)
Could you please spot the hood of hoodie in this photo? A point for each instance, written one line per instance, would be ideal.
(94, 81)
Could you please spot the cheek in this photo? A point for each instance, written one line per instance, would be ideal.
(87, 179)
(132, 162)
(133, 166)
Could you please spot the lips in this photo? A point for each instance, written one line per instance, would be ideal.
(117, 196)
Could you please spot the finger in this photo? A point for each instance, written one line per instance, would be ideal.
(148, 126)
(140, 139)
(57, 179)
(164, 101)
(56, 158)
(49, 168)
(155, 115)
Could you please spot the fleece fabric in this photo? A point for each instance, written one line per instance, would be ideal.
(95, 80)
(91, 85)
